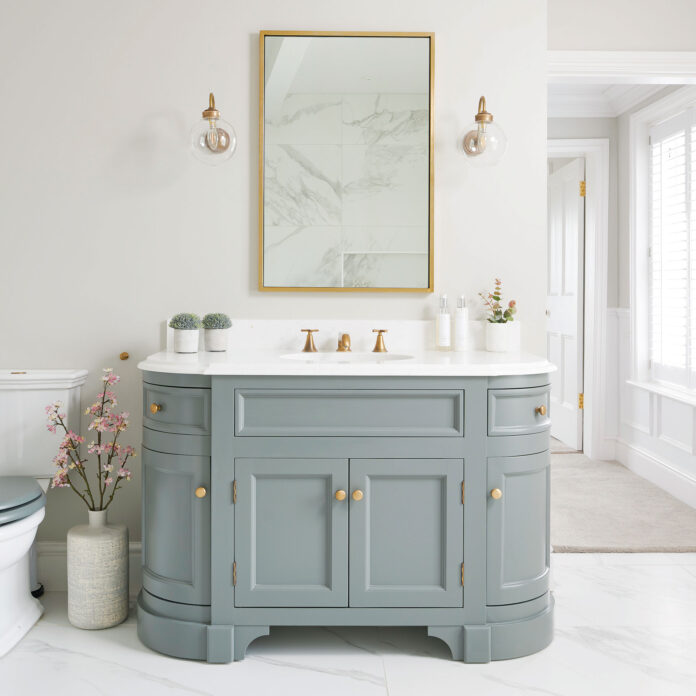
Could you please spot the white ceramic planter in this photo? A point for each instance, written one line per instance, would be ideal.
(186, 340)
(216, 340)
(503, 338)
(97, 573)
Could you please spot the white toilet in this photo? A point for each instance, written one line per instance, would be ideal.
(26, 468)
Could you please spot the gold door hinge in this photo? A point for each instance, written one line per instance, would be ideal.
(581, 401)
(234, 574)
(462, 578)
(234, 491)
(462, 492)
(583, 189)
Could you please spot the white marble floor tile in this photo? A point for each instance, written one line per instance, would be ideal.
(625, 625)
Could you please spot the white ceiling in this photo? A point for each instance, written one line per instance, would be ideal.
(595, 100)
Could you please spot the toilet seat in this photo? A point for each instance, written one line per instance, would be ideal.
(20, 497)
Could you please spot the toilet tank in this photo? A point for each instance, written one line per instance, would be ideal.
(26, 446)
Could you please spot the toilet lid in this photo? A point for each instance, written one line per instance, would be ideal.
(20, 496)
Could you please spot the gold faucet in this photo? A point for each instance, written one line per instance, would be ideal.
(344, 344)
(379, 345)
(309, 346)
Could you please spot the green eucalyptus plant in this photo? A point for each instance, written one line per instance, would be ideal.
(216, 320)
(185, 321)
(497, 312)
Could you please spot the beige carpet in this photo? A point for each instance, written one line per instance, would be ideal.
(604, 507)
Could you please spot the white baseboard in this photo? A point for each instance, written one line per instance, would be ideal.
(52, 566)
(657, 471)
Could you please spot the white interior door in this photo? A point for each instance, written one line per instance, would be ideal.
(566, 230)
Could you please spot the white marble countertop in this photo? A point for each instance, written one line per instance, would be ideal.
(475, 363)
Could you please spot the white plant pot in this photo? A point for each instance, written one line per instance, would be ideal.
(502, 338)
(97, 573)
(216, 340)
(186, 340)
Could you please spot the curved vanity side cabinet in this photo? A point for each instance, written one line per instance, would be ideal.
(181, 410)
(517, 528)
(176, 527)
(291, 544)
(406, 533)
(518, 411)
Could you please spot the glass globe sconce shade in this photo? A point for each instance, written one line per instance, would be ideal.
(213, 140)
(485, 142)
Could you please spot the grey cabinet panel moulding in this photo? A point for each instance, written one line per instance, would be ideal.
(345, 412)
(271, 544)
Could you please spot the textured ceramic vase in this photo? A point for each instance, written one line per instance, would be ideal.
(97, 573)
(501, 338)
(216, 340)
(185, 340)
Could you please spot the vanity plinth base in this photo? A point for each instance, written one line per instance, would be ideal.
(195, 640)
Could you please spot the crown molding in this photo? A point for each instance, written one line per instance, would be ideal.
(617, 67)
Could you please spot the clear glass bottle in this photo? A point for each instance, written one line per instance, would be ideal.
(443, 330)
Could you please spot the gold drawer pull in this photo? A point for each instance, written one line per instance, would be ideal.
(340, 495)
(201, 492)
(155, 408)
(357, 494)
(540, 410)
(496, 494)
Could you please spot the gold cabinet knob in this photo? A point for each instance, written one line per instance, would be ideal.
(357, 494)
(201, 492)
(340, 495)
(541, 410)
(496, 494)
(154, 408)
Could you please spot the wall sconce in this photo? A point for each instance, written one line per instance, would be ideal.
(485, 141)
(212, 139)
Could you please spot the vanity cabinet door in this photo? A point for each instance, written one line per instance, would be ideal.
(406, 532)
(291, 540)
(176, 527)
(517, 528)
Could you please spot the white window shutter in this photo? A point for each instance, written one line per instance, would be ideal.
(673, 250)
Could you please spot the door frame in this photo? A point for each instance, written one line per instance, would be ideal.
(596, 154)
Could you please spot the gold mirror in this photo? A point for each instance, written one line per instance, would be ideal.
(346, 161)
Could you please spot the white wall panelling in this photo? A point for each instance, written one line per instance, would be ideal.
(656, 431)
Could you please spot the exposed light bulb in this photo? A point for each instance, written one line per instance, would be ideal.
(484, 142)
(212, 143)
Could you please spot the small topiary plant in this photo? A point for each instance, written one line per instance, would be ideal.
(185, 321)
(216, 320)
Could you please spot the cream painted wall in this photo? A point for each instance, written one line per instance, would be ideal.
(108, 224)
(579, 128)
(621, 25)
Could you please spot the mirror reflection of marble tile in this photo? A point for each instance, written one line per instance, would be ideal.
(385, 185)
(402, 238)
(306, 119)
(385, 119)
(302, 185)
(302, 256)
(385, 270)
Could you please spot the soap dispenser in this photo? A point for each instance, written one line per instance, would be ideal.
(462, 338)
(443, 338)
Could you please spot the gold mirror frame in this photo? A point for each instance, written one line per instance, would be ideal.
(431, 144)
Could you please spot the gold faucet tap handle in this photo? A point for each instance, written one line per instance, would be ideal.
(309, 346)
(379, 345)
(344, 344)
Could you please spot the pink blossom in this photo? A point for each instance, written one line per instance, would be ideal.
(60, 480)
(108, 481)
(124, 473)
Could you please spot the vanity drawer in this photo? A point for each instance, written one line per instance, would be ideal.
(518, 411)
(181, 410)
(349, 412)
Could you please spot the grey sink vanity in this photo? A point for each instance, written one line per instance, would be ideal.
(345, 501)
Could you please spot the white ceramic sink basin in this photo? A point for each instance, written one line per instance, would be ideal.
(346, 358)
